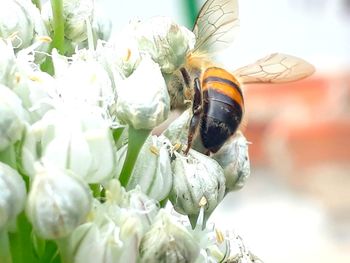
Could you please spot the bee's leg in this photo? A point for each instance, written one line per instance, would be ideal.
(196, 111)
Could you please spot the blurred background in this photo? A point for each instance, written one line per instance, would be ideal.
(296, 205)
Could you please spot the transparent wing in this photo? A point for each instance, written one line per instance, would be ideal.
(216, 25)
(275, 68)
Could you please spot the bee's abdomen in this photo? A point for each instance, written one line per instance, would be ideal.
(223, 82)
(222, 108)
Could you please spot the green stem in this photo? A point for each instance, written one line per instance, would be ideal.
(96, 190)
(190, 12)
(8, 156)
(136, 140)
(21, 245)
(63, 247)
(58, 25)
(37, 3)
(5, 255)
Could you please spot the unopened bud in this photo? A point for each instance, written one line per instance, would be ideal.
(143, 100)
(12, 195)
(196, 176)
(234, 159)
(58, 202)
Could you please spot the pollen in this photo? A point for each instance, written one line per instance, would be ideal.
(203, 201)
(45, 39)
(154, 150)
(219, 236)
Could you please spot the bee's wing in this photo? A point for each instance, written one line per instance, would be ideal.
(275, 68)
(216, 25)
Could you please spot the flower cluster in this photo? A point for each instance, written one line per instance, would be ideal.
(78, 161)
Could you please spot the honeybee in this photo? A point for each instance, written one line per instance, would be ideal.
(216, 94)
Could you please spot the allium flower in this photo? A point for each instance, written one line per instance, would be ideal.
(234, 159)
(13, 117)
(116, 228)
(143, 100)
(58, 202)
(152, 171)
(72, 140)
(12, 195)
(196, 176)
(168, 241)
(83, 81)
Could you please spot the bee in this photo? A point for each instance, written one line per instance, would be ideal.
(216, 94)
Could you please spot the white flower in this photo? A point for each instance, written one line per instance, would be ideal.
(234, 159)
(196, 176)
(58, 202)
(116, 229)
(168, 241)
(21, 22)
(152, 171)
(13, 118)
(74, 140)
(166, 42)
(84, 81)
(12, 195)
(8, 65)
(143, 99)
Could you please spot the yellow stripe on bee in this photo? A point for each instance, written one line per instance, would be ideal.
(219, 80)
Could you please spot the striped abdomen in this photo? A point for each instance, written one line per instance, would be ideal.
(223, 107)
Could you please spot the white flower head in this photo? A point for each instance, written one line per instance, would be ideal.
(58, 202)
(143, 100)
(234, 159)
(12, 195)
(199, 182)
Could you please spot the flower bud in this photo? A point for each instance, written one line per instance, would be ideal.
(143, 100)
(168, 241)
(166, 42)
(234, 159)
(12, 195)
(58, 202)
(8, 65)
(35, 90)
(24, 27)
(152, 171)
(75, 15)
(12, 117)
(196, 176)
(79, 141)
